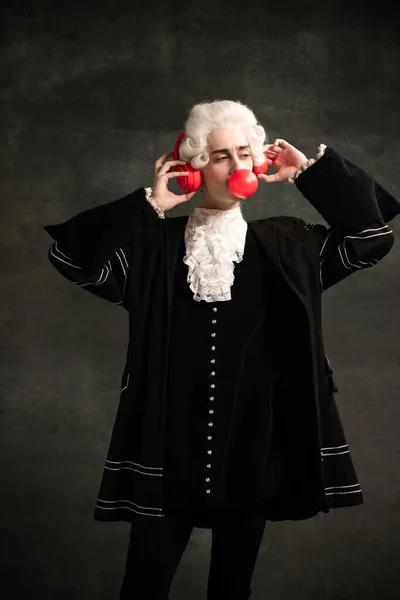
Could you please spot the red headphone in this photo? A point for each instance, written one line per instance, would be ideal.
(242, 183)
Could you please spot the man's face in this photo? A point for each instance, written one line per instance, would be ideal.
(233, 154)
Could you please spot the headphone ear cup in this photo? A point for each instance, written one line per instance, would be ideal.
(192, 181)
(261, 169)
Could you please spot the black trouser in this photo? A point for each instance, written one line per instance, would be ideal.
(156, 547)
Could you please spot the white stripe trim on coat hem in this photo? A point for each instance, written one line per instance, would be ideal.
(139, 509)
(120, 462)
(342, 493)
(132, 469)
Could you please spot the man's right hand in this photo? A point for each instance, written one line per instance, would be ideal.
(163, 173)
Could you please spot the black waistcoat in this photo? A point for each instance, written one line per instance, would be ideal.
(218, 438)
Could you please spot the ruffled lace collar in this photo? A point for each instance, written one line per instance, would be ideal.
(214, 240)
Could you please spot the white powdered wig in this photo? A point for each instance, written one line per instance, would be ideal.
(205, 117)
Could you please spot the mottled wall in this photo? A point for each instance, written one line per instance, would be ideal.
(90, 98)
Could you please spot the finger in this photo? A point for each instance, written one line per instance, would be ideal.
(169, 164)
(162, 158)
(280, 141)
(270, 178)
(159, 163)
(186, 197)
(174, 174)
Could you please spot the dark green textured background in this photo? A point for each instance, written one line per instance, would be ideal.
(91, 95)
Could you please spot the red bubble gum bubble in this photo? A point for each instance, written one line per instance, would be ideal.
(243, 183)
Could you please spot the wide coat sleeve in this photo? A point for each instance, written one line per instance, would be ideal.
(93, 248)
(357, 210)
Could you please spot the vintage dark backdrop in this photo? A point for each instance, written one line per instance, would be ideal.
(91, 95)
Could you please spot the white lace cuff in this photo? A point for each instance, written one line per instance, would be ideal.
(308, 163)
(150, 200)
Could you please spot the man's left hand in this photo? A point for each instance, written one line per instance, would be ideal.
(285, 158)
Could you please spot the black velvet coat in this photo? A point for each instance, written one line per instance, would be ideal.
(123, 252)
(225, 358)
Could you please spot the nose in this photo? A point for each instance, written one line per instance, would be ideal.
(235, 164)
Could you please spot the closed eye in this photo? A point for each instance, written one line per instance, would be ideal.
(243, 156)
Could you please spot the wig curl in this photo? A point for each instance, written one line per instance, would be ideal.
(206, 116)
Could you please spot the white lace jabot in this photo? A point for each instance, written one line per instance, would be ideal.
(214, 238)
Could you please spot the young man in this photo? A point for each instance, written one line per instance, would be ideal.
(227, 417)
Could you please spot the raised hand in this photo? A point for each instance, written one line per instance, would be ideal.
(163, 173)
(285, 158)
